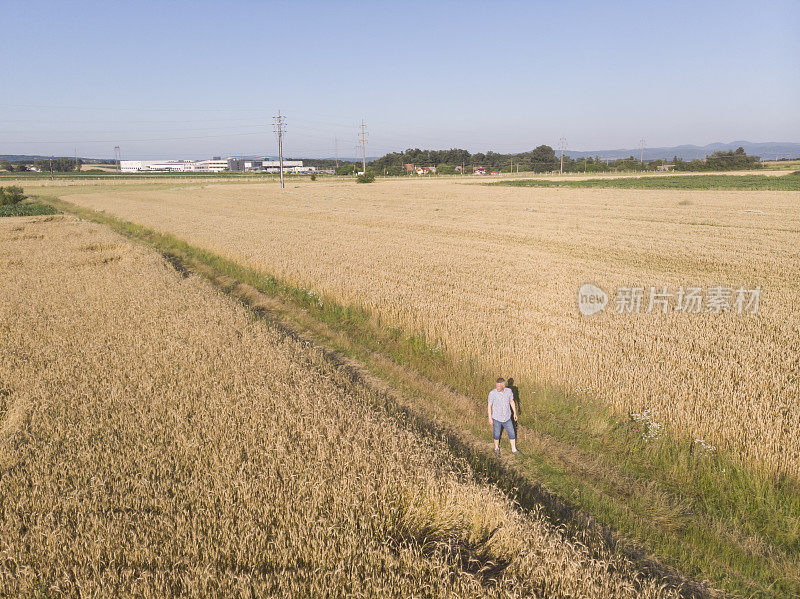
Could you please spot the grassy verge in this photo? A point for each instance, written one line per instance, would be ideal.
(722, 182)
(27, 209)
(698, 511)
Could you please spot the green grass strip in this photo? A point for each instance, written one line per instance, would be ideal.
(27, 209)
(699, 182)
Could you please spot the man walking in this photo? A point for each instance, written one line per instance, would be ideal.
(501, 409)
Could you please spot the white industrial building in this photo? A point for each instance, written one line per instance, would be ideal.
(247, 165)
(166, 166)
(216, 165)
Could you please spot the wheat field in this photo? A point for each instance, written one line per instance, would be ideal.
(491, 274)
(156, 439)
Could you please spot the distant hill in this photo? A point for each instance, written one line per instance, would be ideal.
(766, 150)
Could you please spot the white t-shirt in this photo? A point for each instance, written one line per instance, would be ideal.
(501, 404)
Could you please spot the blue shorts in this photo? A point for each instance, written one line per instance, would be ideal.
(499, 426)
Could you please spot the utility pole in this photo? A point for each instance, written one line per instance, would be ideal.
(563, 141)
(512, 166)
(336, 144)
(279, 125)
(363, 146)
(641, 156)
(76, 160)
(117, 156)
(51, 168)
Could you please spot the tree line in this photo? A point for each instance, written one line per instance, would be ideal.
(56, 165)
(720, 161)
(540, 159)
(543, 159)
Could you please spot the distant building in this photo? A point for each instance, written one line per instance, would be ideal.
(666, 167)
(176, 166)
(215, 165)
(479, 170)
(289, 166)
(425, 170)
(210, 166)
(248, 165)
(409, 168)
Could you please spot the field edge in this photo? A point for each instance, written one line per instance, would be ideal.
(288, 308)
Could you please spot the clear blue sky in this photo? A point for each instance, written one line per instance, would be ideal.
(195, 79)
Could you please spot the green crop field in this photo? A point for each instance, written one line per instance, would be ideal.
(27, 209)
(716, 182)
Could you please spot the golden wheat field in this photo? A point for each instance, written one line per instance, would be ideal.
(491, 274)
(156, 439)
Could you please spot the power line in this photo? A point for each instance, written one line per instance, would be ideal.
(103, 141)
(159, 130)
(363, 135)
(143, 109)
(126, 121)
(279, 125)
